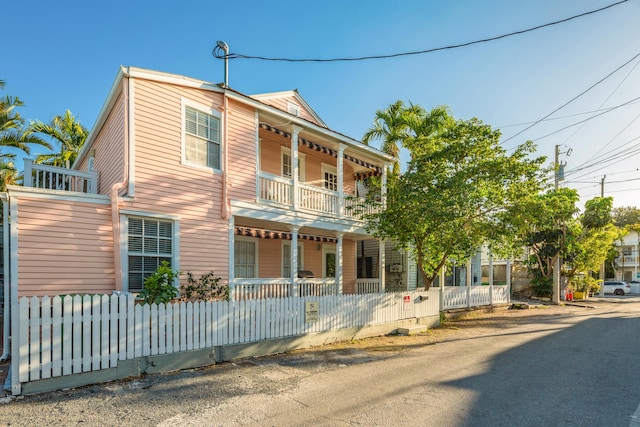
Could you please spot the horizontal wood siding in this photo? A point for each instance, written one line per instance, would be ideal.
(64, 247)
(166, 186)
(270, 158)
(349, 269)
(109, 148)
(269, 258)
(242, 152)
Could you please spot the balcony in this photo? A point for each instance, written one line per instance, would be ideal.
(61, 179)
(278, 190)
(627, 260)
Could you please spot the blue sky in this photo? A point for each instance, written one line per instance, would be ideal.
(65, 55)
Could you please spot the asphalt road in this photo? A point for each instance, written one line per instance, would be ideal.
(563, 366)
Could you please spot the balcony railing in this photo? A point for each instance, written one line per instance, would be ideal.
(627, 260)
(55, 178)
(278, 190)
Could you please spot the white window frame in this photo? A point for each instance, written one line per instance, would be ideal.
(254, 240)
(332, 170)
(207, 110)
(301, 164)
(124, 233)
(286, 245)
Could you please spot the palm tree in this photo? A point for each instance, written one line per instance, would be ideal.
(69, 134)
(390, 127)
(8, 175)
(12, 133)
(425, 128)
(411, 127)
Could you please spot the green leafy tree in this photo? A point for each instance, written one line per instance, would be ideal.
(626, 216)
(458, 190)
(544, 221)
(590, 238)
(68, 134)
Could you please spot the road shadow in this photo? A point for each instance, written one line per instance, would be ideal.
(583, 375)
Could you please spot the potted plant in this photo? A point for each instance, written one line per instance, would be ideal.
(584, 287)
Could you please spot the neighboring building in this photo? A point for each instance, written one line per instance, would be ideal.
(626, 263)
(256, 189)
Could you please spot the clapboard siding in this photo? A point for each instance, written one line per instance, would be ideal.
(166, 186)
(109, 148)
(242, 152)
(64, 247)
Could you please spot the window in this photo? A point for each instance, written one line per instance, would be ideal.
(330, 177)
(244, 255)
(201, 138)
(150, 243)
(287, 164)
(286, 259)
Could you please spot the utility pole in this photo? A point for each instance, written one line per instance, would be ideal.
(603, 271)
(559, 175)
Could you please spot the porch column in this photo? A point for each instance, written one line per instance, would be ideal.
(381, 260)
(339, 261)
(232, 261)
(27, 176)
(443, 273)
(341, 148)
(294, 261)
(383, 185)
(295, 166)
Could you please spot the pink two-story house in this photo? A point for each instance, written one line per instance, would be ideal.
(256, 189)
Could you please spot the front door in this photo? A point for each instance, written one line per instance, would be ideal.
(328, 261)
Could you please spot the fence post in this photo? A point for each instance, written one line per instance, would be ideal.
(467, 278)
(491, 279)
(27, 179)
(93, 182)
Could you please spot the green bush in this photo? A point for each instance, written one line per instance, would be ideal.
(159, 287)
(206, 288)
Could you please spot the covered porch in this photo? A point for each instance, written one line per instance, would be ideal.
(271, 260)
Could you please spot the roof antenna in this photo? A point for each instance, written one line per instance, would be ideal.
(225, 47)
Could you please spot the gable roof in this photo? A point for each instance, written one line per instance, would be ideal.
(257, 101)
(268, 98)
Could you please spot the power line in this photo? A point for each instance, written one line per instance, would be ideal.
(216, 52)
(566, 117)
(573, 99)
(587, 119)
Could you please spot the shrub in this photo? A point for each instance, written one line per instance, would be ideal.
(206, 288)
(159, 288)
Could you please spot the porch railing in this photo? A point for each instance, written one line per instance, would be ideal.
(55, 178)
(245, 289)
(368, 286)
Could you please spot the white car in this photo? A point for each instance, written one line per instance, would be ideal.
(617, 287)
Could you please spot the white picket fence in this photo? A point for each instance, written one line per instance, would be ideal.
(60, 336)
(474, 296)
